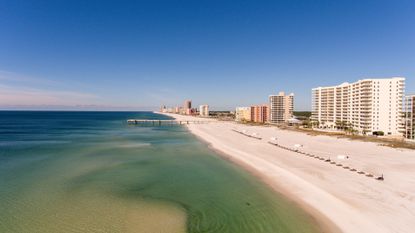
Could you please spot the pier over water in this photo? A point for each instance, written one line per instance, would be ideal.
(149, 122)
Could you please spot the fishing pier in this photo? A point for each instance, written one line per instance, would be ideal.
(149, 122)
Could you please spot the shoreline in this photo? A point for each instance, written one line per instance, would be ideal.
(337, 199)
(323, 223)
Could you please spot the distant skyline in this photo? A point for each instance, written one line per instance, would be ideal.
(138, 55)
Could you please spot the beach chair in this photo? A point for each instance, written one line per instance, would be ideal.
(380, 177)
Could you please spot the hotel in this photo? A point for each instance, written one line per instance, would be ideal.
(259, 113)
(187, 107)
(243, 114)
(369, 106)
(204, 110)
(281, 107)
(409, 132)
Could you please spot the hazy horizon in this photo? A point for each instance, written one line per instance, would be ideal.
(140, 55)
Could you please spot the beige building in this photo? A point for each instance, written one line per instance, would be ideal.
(281, 107)
(369, 106)
(409, 132)
(204, 110)
(243, 114)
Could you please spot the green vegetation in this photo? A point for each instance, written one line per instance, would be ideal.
(351, 134)
(306, 114)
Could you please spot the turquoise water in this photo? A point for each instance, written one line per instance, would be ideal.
(91, 172)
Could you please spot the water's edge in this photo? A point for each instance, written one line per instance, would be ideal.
(324, 224)
(66, 172)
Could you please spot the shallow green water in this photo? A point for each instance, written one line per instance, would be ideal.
(90, 172)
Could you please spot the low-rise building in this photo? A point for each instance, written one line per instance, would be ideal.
(243, 114)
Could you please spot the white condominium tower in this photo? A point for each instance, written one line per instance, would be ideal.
(204, 110)
(410, 117)
(370, 106)
(281, 107)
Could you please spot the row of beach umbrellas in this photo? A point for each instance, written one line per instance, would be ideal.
(246, 133)
(296, 149)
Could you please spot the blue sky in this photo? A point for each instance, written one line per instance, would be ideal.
(141, 54)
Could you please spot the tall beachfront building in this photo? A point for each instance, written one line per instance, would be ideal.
(260, 113)
(204, 110)
(409, 131)
(281, 107)
(243, 114)
(163, 108)
(187, 107)
(187, 104)
(369, 106)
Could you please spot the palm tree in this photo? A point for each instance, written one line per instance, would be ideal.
(315, 123)
(349, 128)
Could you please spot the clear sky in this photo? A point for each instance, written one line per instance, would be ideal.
(141, 54)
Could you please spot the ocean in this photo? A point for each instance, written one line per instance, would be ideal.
(92, 172)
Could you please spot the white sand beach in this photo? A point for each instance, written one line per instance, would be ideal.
(341, 199)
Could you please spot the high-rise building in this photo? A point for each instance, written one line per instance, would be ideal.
(243, 114)
(163, 108)
(259, 113)
(204, 110)
(281, 107)
(409, 131)
(187, 104)
(370, 106)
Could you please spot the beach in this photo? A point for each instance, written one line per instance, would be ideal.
(336, 196)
